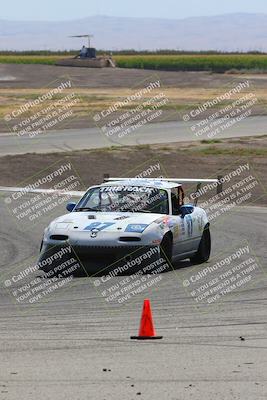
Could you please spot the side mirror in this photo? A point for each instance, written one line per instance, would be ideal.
(70, 206)
(187, 209)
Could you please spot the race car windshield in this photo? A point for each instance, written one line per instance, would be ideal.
(125, 199)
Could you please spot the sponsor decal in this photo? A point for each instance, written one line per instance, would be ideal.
(183, 227)
(138, 228)
(176, 230)
(189, 223)
(134, 189)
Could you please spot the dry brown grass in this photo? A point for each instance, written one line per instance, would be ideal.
(93, 100)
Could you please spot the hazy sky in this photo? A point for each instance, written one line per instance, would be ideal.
(69, 9)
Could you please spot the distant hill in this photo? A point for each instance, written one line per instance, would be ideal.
(230, 32)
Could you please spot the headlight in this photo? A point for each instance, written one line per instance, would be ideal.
(137, 228)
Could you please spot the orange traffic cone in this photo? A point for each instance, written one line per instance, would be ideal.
(146, 330)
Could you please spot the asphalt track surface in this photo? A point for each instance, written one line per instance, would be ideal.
(92, 138)
(76, 346)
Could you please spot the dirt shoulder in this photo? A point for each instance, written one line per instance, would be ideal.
(189, 160)
(30, 76)
(23, 76)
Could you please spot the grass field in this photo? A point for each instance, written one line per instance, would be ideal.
(198, 62)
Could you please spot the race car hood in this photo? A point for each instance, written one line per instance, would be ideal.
(123, 222)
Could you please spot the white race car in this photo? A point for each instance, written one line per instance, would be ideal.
(113, 220)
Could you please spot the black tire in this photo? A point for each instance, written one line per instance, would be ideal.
(204, 248)
(166, 248)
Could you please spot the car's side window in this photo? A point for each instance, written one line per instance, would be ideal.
(177, 197)
(175, 201)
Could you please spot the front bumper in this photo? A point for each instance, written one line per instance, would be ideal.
(95, 259)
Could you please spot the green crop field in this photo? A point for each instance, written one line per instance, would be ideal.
(29, 59)
(182, 62)
(215, 63)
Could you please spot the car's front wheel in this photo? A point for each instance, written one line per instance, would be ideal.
(203, 253)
